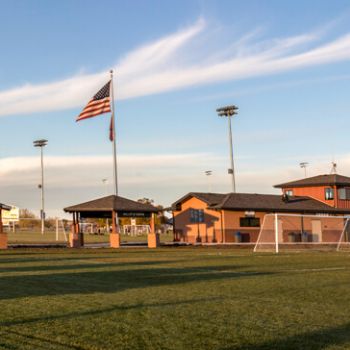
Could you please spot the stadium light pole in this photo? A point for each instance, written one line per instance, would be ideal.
(229, 112)
(41, 143)
(208, 173)
(303, 165)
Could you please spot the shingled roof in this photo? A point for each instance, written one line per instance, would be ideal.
(320, 180)
(209, 198)
(262, 202)
(111, 203)
(270, 202)
(5, 207)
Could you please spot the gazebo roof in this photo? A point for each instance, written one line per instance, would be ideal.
(5, 207)
(112, 203)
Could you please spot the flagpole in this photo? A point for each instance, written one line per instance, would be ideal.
(114, 138)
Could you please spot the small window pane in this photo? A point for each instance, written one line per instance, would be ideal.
(342, 193)
(329, 194)
(196, 215)
(249, 222)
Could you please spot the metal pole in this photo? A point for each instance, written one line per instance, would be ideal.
(115, 169)
(115, 220)
(56, 229)
(276, 232)
(231, 155)
(42, 192)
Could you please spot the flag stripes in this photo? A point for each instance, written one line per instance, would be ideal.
(99, 104)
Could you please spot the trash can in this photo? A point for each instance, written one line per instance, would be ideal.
(291, 237)
(304, 237)
(238, 237)
(297, 237)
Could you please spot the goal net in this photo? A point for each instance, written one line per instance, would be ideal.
(30, 230)
(288, 231)
(136, 230)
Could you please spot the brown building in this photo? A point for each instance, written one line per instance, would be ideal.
(215, 217)
(332, 189)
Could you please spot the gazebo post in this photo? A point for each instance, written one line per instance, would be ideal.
(74, 237)
(3, 235)
(153, 237)
(80, 233)
(114, 236)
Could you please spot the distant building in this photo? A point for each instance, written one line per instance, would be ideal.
(215, 217)
(332, 189)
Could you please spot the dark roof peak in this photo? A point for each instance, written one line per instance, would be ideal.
(110, 203)
(208, 197)
(319, 180)
(274, 203)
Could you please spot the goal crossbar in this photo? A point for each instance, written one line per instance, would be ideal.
(296, 230)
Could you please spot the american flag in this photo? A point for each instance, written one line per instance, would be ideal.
(111, 129)
(99, 104)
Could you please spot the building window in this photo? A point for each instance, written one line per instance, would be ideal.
(289, 193)
(196, 215)
(329, 193)
(344, 193)
(249, 222)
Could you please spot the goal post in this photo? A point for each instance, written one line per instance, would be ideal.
(28, 230)
(287, 231)
(136, 230)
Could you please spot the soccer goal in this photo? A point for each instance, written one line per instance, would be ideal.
(136, 230)
(288, 231)
(29, 230)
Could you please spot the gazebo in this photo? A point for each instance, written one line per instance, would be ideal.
(3, 235)
(111, 207)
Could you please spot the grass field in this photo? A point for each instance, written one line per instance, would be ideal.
(50, 237)
(173, 298)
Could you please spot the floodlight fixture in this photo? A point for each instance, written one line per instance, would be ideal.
(303, 165)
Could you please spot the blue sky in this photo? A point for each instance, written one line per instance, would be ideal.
(285, 64)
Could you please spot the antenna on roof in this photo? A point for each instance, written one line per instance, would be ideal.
(303, 165)
(334, 168)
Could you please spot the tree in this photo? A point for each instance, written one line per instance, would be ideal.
(26, 214)
(27, 219)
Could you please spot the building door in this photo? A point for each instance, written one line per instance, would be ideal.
(280, 231)
(316, 229)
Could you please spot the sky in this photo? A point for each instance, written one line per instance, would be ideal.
(285, 64)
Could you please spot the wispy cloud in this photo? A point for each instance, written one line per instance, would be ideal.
(164, 177)
(15, 170)
(178, 61)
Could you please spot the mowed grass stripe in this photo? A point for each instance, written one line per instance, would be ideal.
(199, 298)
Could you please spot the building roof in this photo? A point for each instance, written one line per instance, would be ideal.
(320, 180)
(5, 207)
(270, 202)
(209, 198)
(112, 203)
(262, 202)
